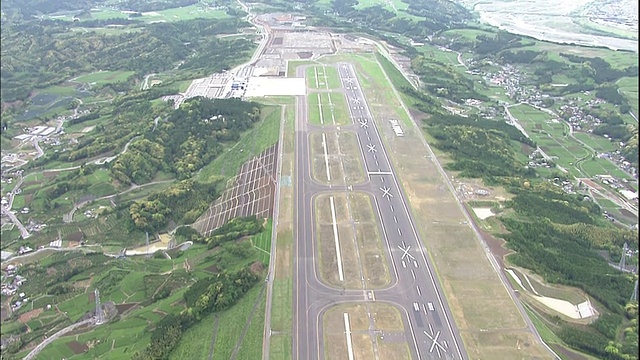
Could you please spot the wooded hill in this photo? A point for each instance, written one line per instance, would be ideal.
(37, 54)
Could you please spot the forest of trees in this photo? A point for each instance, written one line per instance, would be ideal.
(190, 138)
(235, 228)
(479, 147)
(208, 295)
(204, 297)
(43, 53)
(443, 81)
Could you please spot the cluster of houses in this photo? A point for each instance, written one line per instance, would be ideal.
(618, 185)
(11, 286)
(566, 185)
(537, 159)
(573, 112)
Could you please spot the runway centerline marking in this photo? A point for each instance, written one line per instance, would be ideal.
(335, 238)
(326, 156)
(347, 331)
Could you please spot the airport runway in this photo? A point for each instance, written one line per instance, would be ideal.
(429, 329)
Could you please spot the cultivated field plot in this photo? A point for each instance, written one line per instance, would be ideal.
(323, 77)
(336, 158)
(349, 242)
(328, 108)
(552, 137)
(250, 192)
(373, 328)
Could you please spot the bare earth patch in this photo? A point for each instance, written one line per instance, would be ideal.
(483, 213)
(561, 306)
(30, 315)
(77, 347)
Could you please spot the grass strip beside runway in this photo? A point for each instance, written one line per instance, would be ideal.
(328, 109)
(376, 329)
(345, 164)
(361, 250)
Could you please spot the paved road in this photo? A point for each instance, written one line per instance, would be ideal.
(6, 210)
(55, 336)
(414, 289)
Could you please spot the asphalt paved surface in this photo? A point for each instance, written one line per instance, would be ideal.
(414, 289)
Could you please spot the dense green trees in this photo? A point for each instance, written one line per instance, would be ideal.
(486, 45)
(599, 69)
(478, 152)
(234, 229)
(556, 207)
(569, 260)
(205, 296)
(39, 54)
(479, 147)
(188, 139)
(174, 203)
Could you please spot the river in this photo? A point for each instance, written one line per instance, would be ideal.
(548, 20)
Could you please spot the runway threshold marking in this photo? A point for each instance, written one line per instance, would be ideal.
(335, 238)
(326, 156)
(347, 331)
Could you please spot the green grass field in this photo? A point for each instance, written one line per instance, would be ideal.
(628, 87)
(196, 342)
(262, 242)
(323, 77)
(104, 77)
(467, 35)
(282, 295)
(263, 134)
(598, 143)
(445, 57)
(328, 109)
